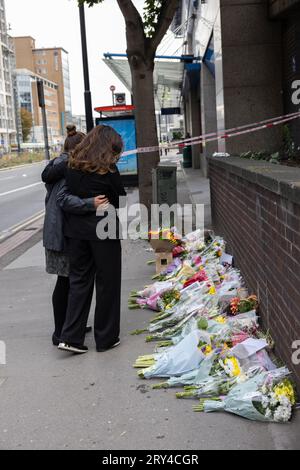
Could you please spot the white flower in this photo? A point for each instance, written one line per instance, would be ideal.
(284, 401)
(283, 414)
(264, 390)
(268, 413)
(273, 399)
(265, 401)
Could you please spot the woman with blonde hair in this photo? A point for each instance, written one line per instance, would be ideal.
(92, 171)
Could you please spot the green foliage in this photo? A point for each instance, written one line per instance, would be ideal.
(177, 135)
(152, 10)
(262, 155)
(90, 3)
(26, 120)
(289, 147)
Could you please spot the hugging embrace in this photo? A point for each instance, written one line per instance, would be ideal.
(81, 180)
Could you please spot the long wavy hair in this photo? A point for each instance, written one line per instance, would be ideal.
(98, 152)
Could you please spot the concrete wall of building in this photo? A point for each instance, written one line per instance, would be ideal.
(24, 47)
(248, 73)
(194, 125)
(52, 70)
(52, 110)
(209, 113)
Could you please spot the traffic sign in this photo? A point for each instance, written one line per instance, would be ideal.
(120, 98)
(112, 88)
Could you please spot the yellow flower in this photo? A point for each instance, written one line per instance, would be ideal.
(234, 366)
(220, 319)
(286, 389)
(208, 350)
(212, 290)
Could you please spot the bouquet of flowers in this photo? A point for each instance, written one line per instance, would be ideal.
(198, 277)
(194, 377)
(208, 337)
(179, 359)
(268, 397)
(238, 305)
(212, 386)
(166, 234)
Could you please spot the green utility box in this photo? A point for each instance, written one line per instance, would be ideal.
(164, 182)
(187, 157)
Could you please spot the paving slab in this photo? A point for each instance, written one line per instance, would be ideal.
(51, 400)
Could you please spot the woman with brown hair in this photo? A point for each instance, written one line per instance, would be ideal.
(92, 171)
(57, 259)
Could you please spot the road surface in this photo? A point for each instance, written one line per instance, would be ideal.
(22, 195)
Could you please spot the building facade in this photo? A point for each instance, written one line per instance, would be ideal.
(7, 107)
(52, 64)
(80, 122)
(250, 70)
(28, 99)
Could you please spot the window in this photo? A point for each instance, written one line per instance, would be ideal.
(41, 71)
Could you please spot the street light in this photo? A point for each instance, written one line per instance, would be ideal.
(87, 91)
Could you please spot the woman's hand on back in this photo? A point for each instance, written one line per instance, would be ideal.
(101, 201)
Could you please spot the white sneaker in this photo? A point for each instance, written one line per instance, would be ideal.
(73, 349)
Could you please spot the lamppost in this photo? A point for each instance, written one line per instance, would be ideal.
(87, 91)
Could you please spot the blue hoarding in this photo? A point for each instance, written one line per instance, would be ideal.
(125, 126)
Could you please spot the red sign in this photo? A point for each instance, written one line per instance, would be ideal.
(112, 88)
(114, 109)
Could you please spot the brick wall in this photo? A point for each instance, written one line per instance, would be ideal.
(256, 207)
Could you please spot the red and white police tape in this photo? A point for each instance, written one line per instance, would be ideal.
(226, 134)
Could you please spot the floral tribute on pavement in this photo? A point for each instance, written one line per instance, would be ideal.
(207, 336)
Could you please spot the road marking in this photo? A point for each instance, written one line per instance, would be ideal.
(20, 189)
(8, 178)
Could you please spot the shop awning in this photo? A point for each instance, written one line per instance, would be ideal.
(168, 77)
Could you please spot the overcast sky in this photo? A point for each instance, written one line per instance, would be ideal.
(55, 23)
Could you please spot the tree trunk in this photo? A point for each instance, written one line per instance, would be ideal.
(142, 84)
(141, 52)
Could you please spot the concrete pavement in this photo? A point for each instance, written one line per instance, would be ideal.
(51, 400)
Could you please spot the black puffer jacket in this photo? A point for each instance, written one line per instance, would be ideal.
(54, 177)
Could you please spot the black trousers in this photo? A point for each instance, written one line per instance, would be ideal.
(90, 261)
(60, 299)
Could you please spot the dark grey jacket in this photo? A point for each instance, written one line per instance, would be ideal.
(54, 177)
